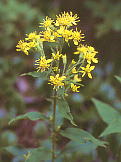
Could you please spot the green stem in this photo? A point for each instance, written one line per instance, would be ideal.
(54, 127)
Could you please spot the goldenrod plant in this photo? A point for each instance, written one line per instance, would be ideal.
(63, 75)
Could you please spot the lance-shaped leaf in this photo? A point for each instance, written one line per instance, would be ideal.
(14, 150)
(42, 75)
(65, 110)
(85, 148)
(118, 78)
(30, 115)
(81, 136)
(106, 112)
(114, 127)
(36, 155)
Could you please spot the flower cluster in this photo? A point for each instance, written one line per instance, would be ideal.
(87, 53)
(61, 73)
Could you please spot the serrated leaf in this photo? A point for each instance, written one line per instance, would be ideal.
(106, 112)
(42, 75)
(81, 136)
(64, 109)
(30, 115)
(114, 127)
(118, 78)
(39, 154)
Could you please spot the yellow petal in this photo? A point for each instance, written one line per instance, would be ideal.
(89, 75)
(92, 68)
(83, 74)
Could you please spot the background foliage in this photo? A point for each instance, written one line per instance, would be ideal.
(101, 23)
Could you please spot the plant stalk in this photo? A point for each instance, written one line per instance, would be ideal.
(54, 127)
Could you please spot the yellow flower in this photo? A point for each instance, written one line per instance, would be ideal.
(47, 36)
(57, 55)
(73, 61)
(76, 78)
(25, 46)
(65, 33)
(32, 44)
(74, 70)
(55, 69)
(77, 36)
(47, 22)
(87, 70)
(42, 63)
(90, 55)
(27, 156)
(61, 30)
(32, 36)
(57, 81)
(81, 49)
(74, 87)
(66, 19)
(56, 34)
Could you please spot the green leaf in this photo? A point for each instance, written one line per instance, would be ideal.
(16, 151)
(81, 136)
(65, 110)
(42, 75)
(85, 148)
(114, 127)
(110, 116)
(30, 115)
(61, 92)
(118, 78)
(107, 113)
(39, 154)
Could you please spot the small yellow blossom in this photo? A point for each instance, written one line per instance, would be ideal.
(81, 49)
(47, 36)
(57, 81)
(55, 69)
(65, 33)
(66, 19)
(32, 44)
(57, 55)
(77, 36)
(56, 34)
(76, 78)
(32, 36)
(73, 61)
(61, 30)
(87, 70)
(90, 55)
(42, 63)
(47, 22)
(27, 156)
(25, 46)
(74, 87)
(74, 70)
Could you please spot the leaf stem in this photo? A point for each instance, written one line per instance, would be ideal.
(54, 127)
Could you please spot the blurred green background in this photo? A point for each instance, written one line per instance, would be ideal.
(101, 23)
